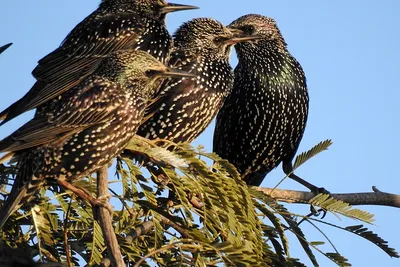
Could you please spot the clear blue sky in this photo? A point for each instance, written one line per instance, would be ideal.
(350, 53)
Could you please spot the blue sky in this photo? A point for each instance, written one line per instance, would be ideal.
(349, 51)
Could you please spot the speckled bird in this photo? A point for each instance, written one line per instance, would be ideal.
(87, 127)
(185, 107)
(262, 121)
(114, 25)
(4, 47)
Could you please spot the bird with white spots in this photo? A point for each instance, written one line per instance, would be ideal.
(85, 127)
(185, 107)
(263, 120)
(115, 25)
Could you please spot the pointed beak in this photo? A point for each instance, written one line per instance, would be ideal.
(170, 72)
(4, 47)
(171, 7)
(239, 36)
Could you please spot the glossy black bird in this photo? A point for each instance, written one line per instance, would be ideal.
(262, 121)
(87, 126)
(4, 47)
(185, 107)
(115, 25)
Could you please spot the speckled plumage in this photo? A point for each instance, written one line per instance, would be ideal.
(262, 121)
(85, 127)
(115, 25)
(185, 107)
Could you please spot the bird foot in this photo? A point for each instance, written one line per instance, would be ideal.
(316, 212)
(320, 190)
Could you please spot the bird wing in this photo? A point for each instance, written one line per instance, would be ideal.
(164, 102)
(89, 107)
(79, 55)
(171, 87)
(155, 103)
(90, 40)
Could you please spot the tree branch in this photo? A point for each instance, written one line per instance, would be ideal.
(147, 226)
(105, 220)
(140, 230)
(367, 198)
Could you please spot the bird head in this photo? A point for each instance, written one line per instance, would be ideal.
(266, 27)
(209, 37)
(138, 71)
(156, 9)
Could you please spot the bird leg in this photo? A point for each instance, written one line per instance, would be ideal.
(288, 170)
(101, 201)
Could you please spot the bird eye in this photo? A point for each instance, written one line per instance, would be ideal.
(250, 29)
(218, 40)
(150, 73)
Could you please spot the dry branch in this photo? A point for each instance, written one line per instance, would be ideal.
(105, 221)
(366, 198)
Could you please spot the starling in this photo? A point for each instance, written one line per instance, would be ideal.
(115, 25)
(4, 47)
(87, 127)
(185, 107)
(262, 121)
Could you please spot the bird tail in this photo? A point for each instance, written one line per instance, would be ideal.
(20, 194)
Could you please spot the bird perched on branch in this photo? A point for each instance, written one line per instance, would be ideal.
(114, 25)
(4, 47)
(185, 107)
(85, 128)
(262, 121)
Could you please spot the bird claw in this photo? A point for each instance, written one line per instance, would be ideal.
(313, 210)
(320, 190)
(316, 213)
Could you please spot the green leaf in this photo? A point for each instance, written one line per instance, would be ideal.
(42, 228)
(363, 232)
(337, 206)
(338, 259)
(305, 156)
(97, 246)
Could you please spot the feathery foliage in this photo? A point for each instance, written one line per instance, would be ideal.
(172, 206)
(305, 156)
(339, 207)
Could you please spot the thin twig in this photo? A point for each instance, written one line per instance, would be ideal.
(105, 220)
(66, 240)
(196, 202)
(177, 227)
(368, 198)
(147, 226)
(170, 246)
(140, 230)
